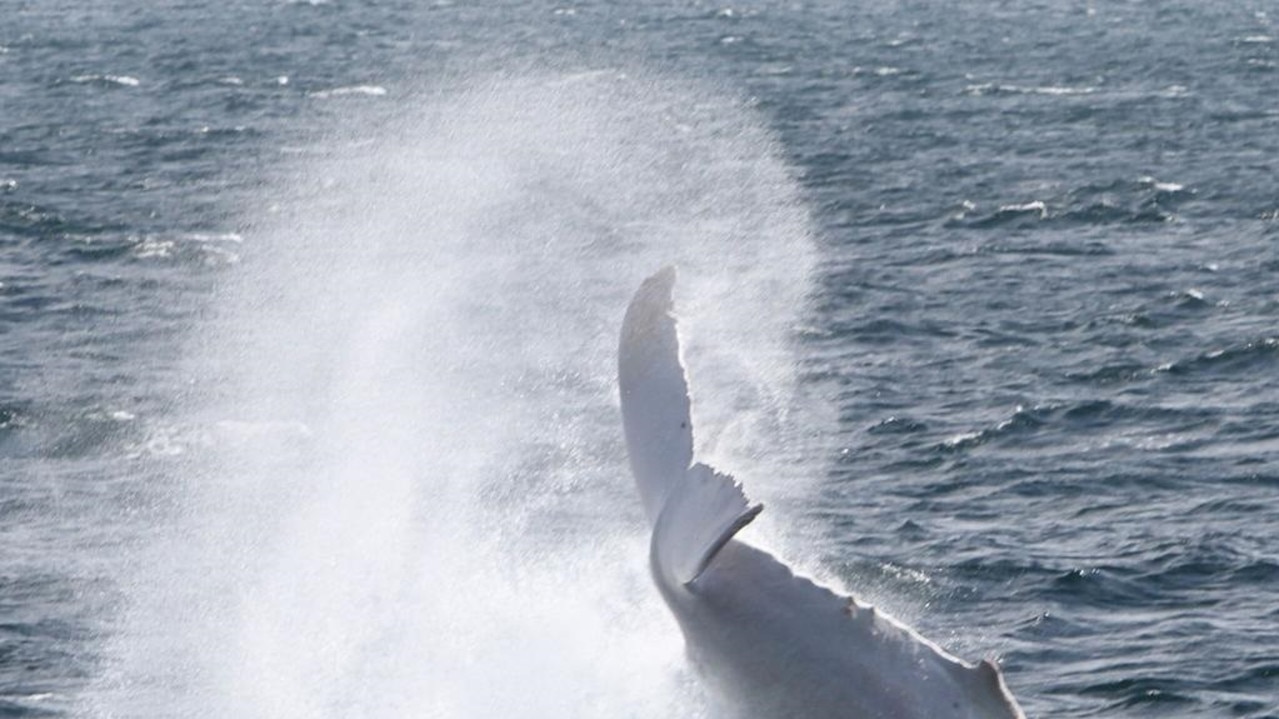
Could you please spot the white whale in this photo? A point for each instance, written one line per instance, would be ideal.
(772, 645)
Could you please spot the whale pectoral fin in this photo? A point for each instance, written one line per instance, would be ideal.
(654, 393)
(701, 514)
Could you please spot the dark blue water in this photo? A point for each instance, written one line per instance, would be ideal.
(1022, 257)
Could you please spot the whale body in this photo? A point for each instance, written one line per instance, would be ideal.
(772, 645)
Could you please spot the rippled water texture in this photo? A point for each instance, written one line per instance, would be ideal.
(307, 313)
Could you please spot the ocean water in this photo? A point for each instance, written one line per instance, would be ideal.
(308, 314)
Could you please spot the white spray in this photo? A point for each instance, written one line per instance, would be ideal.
(404, 492)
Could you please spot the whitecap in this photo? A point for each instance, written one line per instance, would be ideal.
(963, 209)
(366, 90)
(121, 80)
(1162, 186)
(117, 415)
(151, 247)
(1035, 206)
(235, 237)
(961, 440)
(992, 88)
(208, 248)
(217, 256)
(1061, 90)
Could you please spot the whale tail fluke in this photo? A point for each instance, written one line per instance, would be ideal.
(701, 514)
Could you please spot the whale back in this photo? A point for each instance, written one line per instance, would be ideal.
(779, 646)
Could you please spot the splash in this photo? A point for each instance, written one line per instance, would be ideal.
(410, 495)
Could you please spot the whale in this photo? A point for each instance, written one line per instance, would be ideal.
(767, 643)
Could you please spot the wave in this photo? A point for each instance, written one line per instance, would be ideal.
(1141, 201)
